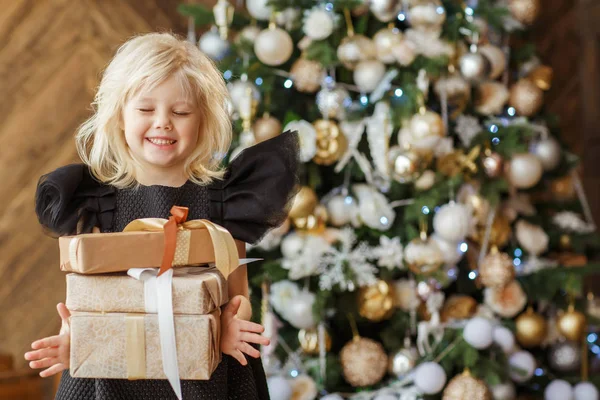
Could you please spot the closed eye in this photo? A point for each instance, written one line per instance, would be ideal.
(145, 109)
(181, 113)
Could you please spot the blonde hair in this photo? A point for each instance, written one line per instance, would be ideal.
(142, 63)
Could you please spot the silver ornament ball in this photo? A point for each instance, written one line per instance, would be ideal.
(332, 102)
(548, 151)
(564, 357)
(473, 66)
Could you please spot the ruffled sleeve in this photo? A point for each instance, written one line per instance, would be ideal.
(69, 201)
(258, 189)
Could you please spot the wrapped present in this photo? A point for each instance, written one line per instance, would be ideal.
(149, 243)
(128, 346)
(195, 290)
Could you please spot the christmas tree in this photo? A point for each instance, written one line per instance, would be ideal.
(439, 243)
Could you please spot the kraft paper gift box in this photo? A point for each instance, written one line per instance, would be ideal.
(195, 290)
(127, 346)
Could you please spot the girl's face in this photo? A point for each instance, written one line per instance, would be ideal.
(162, 130)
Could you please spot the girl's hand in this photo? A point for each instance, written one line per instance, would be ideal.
(237, 334)
(53, 352)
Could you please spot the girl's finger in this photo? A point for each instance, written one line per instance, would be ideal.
(238, 355)
(254, 338)
(55, 369)
(51, 341)
(43, 363)
(43, 353)
(251, 327)
(63, 311)
(251, 351)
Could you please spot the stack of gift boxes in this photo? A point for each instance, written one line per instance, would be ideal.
(123, 306)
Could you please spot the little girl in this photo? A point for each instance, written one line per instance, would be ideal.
(156, 139)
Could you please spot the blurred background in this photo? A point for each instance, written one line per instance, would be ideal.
(51, 55)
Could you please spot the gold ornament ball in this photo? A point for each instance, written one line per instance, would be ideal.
(542, 77)
(499, 234)
(363, 361)
(496, 270)
(309, 341)
(354, 49)
(525, 11)
(493, 164)
(304, 203)
(403, 164)
(458, 307)
(572, 324)
(563, 188)
(423, 256)
(265, 128)
(273, 46)
(314, 222)
(474, 66)
(565, 242)
(331, 142)
(385, 10)
(526, 98)
(531, 329)
(385, 40)
(465, 386)
(307, 75)
(524, 170)
(497, 59)
(376, 302)
(426, 125)
(426, 15)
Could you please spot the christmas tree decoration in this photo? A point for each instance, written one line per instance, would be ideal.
(572, 324)
(457, 162)
(368, 74)
(318, 23)
(331, 142)
(531, 329)
(303, 388)
(376, 302)
(558, 389)
(563, 188)
(259, 9)
(565, 356)
(430, 377)
(341, 209)
(526, 98)
(524, 170)
(548, 151)
(363, 361)
(426, 15)
(423, 131)
(496, 269)
(273, 46)
(491, 97)
(506, 301)
(332, 101)
(497, 59)
(248, 34)
(478, 332)
(223, 13)
(304, 203)
(500, 232)
(405, 295)
(299, 311)
(307, 75)
(465, 386)
(404, 164)
(541, 76)
(426, 180)
(585, 391)
(473, 65)
(452, 222)
(450, 250)
(385, 40)
(354, 49)
(492, 164)
(404, 52)
(314, 222)
(522, 365)
(309, 341)
(385, 10)
(404, 360)
(238, 92)
(213, 45)
(279, 388)
(504, 338)
(423, 256)
(458, 307)
(525, 11)
(504, 391)
(531, 237)
(307, 135)
(266, 127)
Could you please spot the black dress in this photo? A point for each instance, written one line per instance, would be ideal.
(253, 198)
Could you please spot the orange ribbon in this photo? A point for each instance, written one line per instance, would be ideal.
(178, 216)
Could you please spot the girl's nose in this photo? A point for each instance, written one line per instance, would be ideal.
(162, 121)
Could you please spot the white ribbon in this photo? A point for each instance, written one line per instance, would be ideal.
(158, 298)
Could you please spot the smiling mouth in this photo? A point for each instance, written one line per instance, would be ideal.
(161, 142)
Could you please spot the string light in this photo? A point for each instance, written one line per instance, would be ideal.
(401, 17)
(592, 337)
(425, 210)
(288, 83)
(518, 252)
(464, 247)
(258, 81)
(384, 221)
(398, 92)
(495, 141)
(517, 262)
(512, 111)
(494, 128)
(472, 275)
(227, 74)
(364, 100)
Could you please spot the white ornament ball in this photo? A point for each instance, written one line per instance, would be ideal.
(368, 74)
(385, 41)
(504, 391)
(273, 46)
(450, 250)
(238, 92)
(307, 135)
(558, 389)
(213, 45)
(585, 391)
(259, 9)
(531, 237)
(318, 24)
(453, 222)
(385, 10)
(292, 245)
(522, 365)
(249, 34)
(279, 388)
(341, 209)
(473, 66)
(333, 396)
(504, 338)
(525, 170)
(299, 312)
(430, 377)
(426, 180)
(479, 333)
(405, 52)
(549, 153)
(385, 396)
